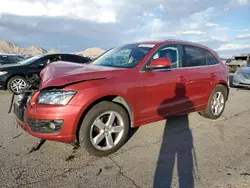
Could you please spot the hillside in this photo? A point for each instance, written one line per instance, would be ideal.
(91, 52)
(7, 47)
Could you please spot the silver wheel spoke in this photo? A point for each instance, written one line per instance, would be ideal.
(109, 139)
(100, 124)
(116, 129)
(221, 105)
(217, 103)
(219, 96)
(111, 119)
(216, 109)
(98, 138)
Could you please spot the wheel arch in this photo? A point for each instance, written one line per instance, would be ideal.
(226, 86)
(112, 98)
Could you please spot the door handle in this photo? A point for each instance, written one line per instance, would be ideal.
(182, 79)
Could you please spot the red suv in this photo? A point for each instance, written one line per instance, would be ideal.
(126, 87)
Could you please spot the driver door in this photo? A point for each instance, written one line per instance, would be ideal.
(38, 66)
(163, 91)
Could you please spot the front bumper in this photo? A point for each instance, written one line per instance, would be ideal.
(69, 114)
(241, 81)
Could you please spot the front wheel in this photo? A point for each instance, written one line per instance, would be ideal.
(16, 84)
(216, 103)
(104, 129)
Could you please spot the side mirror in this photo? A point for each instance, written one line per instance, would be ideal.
(160, 63)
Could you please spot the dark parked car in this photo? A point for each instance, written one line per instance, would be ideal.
(13, 76)
(126, 87)
(10, 59)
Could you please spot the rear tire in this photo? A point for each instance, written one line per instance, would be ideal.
(16, 84)
(216, 103)
(104, 129)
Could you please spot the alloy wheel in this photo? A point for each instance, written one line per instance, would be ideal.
(217, 103)
(18, 85)
(107, 130)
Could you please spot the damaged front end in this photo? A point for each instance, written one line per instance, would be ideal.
(23, 98)
(24, 95)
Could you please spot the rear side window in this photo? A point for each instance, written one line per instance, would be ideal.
(193, 56)
(211, 60)
(3, 58)
(85, 59)
(14, 58)
(71, 58)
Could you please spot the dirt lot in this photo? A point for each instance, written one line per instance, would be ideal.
(187, 151)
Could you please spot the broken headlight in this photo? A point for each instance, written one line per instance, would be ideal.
(57, 97)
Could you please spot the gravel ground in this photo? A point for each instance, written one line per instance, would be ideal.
(187, 151)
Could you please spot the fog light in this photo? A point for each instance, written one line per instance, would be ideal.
(52, 125)
(45, 126)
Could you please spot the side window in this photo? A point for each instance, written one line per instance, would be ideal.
(170, 52)
(71, 58)
(14, 58)
(85, 59)
(42, 62)
(211, 60)
(2, 59)
(193, 56)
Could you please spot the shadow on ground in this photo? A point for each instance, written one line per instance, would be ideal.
(177, 144)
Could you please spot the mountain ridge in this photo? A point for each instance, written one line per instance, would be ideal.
(11, 48)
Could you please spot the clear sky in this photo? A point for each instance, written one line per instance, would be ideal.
(73, 25)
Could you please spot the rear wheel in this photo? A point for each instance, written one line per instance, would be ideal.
(16, 84)
(216, 103)
(104, 129)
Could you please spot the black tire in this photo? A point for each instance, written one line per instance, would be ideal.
(207, 113)
(12, 79)
(85, 128)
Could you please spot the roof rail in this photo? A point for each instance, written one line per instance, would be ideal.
(186, 41)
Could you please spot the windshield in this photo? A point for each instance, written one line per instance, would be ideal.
(29, 61)
(127, 56)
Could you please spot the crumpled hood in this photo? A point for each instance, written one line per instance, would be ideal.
(62, 73)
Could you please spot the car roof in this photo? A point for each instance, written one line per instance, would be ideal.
(169, 41)
(55, 54)
(10, 54)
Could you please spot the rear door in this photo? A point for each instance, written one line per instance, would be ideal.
(200, 76)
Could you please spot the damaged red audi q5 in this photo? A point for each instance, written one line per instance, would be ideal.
(126, 87)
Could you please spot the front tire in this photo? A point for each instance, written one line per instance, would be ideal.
(104, 129)
(16, 84)
(216, 103)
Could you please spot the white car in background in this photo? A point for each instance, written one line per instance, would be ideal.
(242, 76)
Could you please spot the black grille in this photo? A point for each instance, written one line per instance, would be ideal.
(19, 111)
